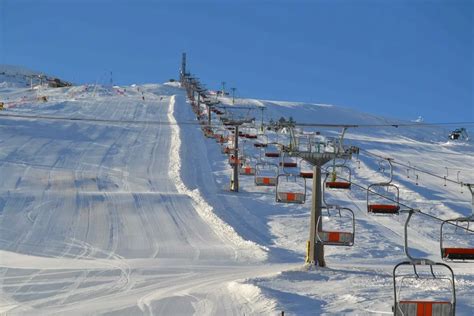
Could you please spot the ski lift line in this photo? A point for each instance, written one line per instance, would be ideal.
(59, 118)
(413, 167)
(237, 107)
(381, 125)
(408, 208)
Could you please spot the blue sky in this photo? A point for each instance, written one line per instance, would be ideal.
(396, 58)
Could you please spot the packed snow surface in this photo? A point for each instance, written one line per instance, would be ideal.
(128, 210)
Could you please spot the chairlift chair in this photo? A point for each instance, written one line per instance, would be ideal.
(459, 134)
(208, 132)
(262, 141)
(266, 174)
(338, 177)
(464, 248)
(290, 189)
(288, 164)
(306, 174)
(251, 133)
(344, 236)
(305, 170)
(220, 138)
(422, 306)
(246, 169)
(226, 149)
(272, 152)
(341, 237)
(235, 159)
(378, 201)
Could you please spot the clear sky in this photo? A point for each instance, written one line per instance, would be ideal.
(396, 58)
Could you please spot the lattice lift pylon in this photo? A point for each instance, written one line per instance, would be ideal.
(234, 180)
(317, 157)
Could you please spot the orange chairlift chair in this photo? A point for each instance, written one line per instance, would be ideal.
(338, 177)
(290, 189)
(266, 174)
(465, 251)
(247, 168)
(380, 202)
(343, 236)
(272, 151)
(261, 142)
(425, 273)
(341, 217)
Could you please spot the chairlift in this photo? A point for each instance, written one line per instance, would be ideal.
(288, 164)
(272, 152)
(234, 159)
(459, 134)
(262, 141)
(266, 174)
(220, 138)
(226, 149)
(338, 177)
(461, 237)
(251, 133)
(345, 220)
(384, 197)
(290, 189)
(246, 169)
(306, 174)
(423, 274)
(208, 132)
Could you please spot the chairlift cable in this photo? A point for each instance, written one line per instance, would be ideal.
(408, 208)
(412, 167)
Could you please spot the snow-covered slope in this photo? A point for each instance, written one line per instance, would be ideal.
(103, 217)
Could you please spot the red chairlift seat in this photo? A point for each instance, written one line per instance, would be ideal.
(383, 208)
(458, 253)
(260, 145)
(344, 236)
(290, 197)
(233, 160)
(266, 174)
(336, 238)
(220, 138)
(424, 308)
(338, 185)
(288, 164)
(265, 181)
(306, 174)
(272, 154)
(461, 251)
(247, 170)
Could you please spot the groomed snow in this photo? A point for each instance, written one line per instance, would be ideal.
(124, 218)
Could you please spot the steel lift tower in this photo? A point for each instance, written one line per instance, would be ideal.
(317, 157)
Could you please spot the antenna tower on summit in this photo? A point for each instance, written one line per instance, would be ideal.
(183, 67)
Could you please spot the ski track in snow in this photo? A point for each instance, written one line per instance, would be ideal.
(118, 219)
